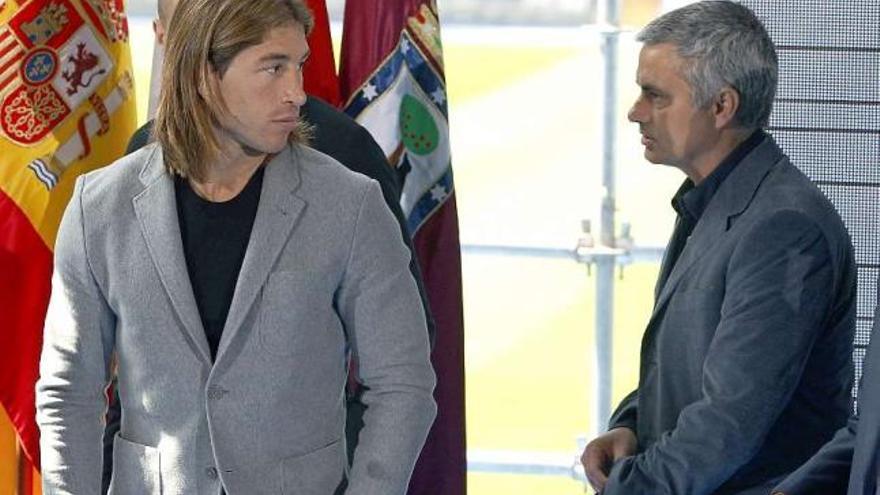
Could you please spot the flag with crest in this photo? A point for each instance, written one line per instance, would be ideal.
(393, 84)
(66, 107)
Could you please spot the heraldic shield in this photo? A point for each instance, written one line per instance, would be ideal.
(65, 88)
(403, 105)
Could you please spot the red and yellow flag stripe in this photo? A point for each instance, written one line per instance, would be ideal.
(66, 107)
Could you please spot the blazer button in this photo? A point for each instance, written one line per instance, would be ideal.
(216, 393)
(211, 473)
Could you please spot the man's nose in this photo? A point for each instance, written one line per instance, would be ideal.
(635, 114)
(296, 93)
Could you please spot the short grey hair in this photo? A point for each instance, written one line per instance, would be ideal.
(723, 44)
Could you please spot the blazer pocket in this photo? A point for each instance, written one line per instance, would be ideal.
(136, 469)
(320, 472)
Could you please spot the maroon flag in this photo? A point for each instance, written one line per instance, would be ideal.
(392, 83)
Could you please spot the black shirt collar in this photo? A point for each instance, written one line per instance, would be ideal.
(690, 201)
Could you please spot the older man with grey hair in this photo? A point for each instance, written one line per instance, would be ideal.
(746, 360)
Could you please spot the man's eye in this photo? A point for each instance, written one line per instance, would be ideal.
(273, 69)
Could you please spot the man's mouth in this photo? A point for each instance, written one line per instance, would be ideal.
(287, 122)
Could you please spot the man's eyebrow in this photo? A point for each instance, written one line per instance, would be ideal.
(650, 88)
(274, 57)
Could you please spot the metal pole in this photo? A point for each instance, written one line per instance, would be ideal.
(605, 266)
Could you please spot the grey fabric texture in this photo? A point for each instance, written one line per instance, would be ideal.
(746, 363)
(848, 463)
(325, 268)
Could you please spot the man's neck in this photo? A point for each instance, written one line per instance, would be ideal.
(703, 165)
(228, 174)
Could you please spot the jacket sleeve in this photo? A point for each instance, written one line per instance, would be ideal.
(372, 162)
(78, 341)
(380, 307)
(828, 470)
(339, 136)
(777, 296)
(627, 413)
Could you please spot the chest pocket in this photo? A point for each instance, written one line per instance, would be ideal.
(296, 314)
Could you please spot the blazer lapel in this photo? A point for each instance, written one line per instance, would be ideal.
(730, 201)
(156, 210)
(663, 275)
(665, 266)
(708, 231)
(277, 214)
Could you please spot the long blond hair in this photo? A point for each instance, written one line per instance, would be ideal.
(204, 36)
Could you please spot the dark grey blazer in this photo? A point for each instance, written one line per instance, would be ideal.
(325, 266)
(746, 360)
(849, 462)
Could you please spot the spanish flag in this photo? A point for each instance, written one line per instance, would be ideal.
(66, 107)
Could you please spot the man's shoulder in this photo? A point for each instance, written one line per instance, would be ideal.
(787, 187)
(322, 114)
(767, 180)
(120, 178)
(338, 135)
(788, 197)
(320, 171)
(141, 137)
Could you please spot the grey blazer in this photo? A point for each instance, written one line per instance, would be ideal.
(849, 463)
(325, 269)
(746, 363)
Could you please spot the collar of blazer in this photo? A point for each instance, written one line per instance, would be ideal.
(732, 199)
(156, 209)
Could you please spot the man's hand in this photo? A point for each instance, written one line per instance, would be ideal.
(603, 451)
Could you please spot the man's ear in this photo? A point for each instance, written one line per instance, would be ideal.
(159, 31)
(725, 106)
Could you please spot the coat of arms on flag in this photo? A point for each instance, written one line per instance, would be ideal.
(66, 107)
(52, 61)
(403, 104)
(393, 82)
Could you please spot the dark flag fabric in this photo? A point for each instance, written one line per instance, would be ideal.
(393, 84)
(66, 107)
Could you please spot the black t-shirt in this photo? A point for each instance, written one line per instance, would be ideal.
(342, 138)
(215, 238)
